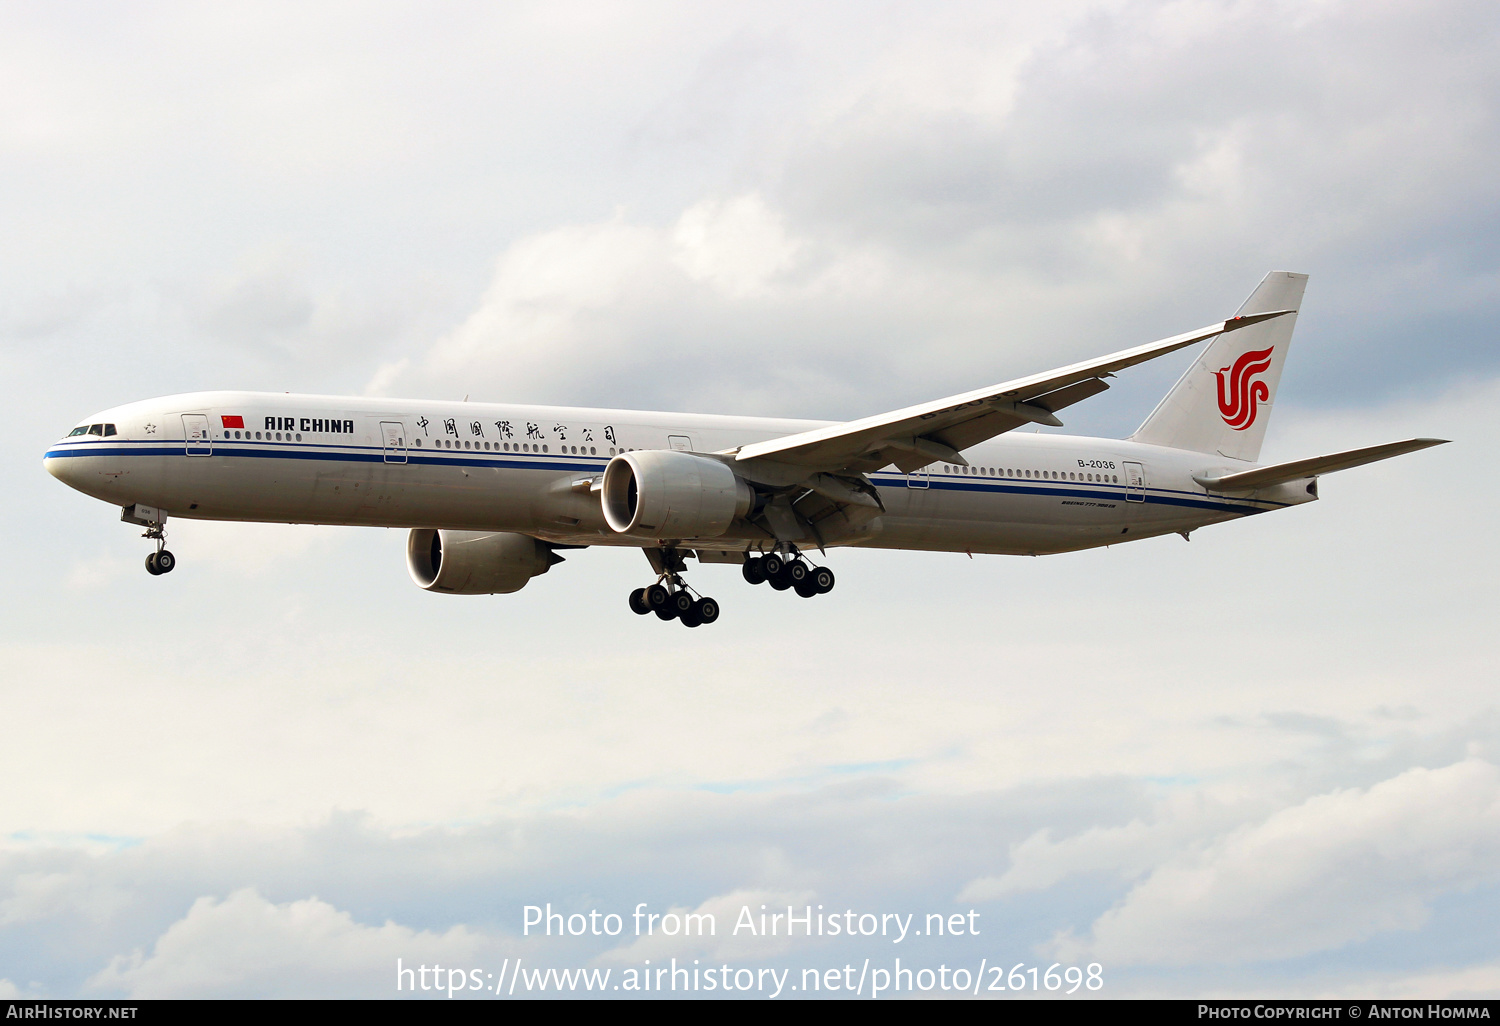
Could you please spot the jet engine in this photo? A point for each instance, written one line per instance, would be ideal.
(668, 494)
(475, 562)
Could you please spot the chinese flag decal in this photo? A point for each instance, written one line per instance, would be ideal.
(233, 422)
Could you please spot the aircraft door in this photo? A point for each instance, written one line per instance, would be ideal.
(394, 434)
(197, 441)
(682, 443)
(1135, 482)
(918, 478)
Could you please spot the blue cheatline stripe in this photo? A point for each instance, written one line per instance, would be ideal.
(348, 454)
(1158, 497)
(1073, 488)
(539, 461)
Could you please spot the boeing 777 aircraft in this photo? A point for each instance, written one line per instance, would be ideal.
(491, 493)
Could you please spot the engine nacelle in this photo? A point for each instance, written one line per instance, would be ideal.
(475, 562)
(668, 494)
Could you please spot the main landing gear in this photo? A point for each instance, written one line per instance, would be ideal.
(670, 599)
(782, 573)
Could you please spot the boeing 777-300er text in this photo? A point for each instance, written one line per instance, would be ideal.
(491, 492)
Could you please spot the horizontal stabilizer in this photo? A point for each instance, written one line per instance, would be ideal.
(1265, 477)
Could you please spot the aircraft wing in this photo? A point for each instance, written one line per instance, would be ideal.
(940, 430)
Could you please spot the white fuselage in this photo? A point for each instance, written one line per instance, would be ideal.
(252, 456)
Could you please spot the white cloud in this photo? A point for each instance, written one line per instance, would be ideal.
(1454, 984)
(722, 942)
(737, 246)
(609, 304)
(1038, 862)
(37, 896)
(1336, 868)
(246, 946)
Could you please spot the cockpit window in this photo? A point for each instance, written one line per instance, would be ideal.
(96, 429)
(81, 429)
(109, 429)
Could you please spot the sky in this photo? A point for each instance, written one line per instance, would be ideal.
(1265, 762)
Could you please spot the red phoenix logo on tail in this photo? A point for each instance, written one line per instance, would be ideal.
(1239, 394)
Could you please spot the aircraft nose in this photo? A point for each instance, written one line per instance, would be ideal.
(65, 470)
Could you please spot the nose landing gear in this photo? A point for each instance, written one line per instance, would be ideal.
(161, 562)
(154, 521)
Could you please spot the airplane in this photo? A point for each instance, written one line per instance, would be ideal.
(492, 493)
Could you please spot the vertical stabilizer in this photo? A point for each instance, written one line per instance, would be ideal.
(1221, 405)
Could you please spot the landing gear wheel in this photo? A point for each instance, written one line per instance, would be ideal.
(772, 565)
(682, 604)
(638, 603)
(805, 587)
(754, 570)
(165, 562)
(706, 610)
(822, 579)
(151, 565)
(796, 572)
(781, 582)
(657, 597)
(665, 612)
(689, 620)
